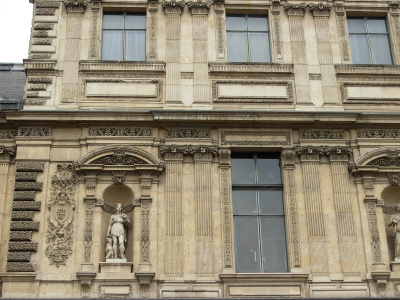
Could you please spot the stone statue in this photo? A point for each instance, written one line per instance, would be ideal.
(117, 232)
(394, 221)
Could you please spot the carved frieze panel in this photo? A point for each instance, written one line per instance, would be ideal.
(188, 133)
(119, 131)
(256, 138)
(295, 10)
(323, 134)
(378, 133)
(188, 149)
(8, 134)
(118, 158)
(34, 131)
(60, 222)
(76, 6)
(253, 91)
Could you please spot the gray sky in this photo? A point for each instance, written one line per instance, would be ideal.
(15, 29)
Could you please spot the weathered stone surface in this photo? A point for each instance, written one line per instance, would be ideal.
(28, 186)
(22, 246)
(24, 195)
(29, 166)
(20, 267)
(21, 236)
(22, 215)
(24, 225)
(27, 205)
(26, 176)
(18, 256)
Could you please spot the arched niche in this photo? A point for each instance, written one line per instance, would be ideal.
(117, 193)
(390, 196)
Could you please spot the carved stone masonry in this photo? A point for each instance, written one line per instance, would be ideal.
(7, 153)
(394, 20)
(342, 26)
(60, 222)
(188, 133)
(295, 10)
(220, 25)
(320, 9)
(76, 6)
(199, 7)
(276, 12)
(94, 40)
(394, 179)
(188, 149)
(152, 28)
(173, 6)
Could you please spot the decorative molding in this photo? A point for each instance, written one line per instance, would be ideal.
(226, 197)
(119, 131)
(295, 10)
(276, 21)
(89, 211)
(34, 131)
(188, 149)
(22, 216)
(341, 21)
(251, 68)
(24, 195)
(8, 134)
(188, 133)
(39, 65)
(43, 26)
(26, 205)
(378, 134)
(367, 69)
(119, 157)
(270, 138)
(90, 66)
(199, 7)
(20, 267)
(323, 134)
(395, 26)
(145, 231)
(47, 4)
(173, 6)
(45, 11)
(103, 291)
(21, 235)
(29, 166)
(394, 179)
(373, 226)
(7, 153)
(315, 77)
(60, 222)
(314, 152)
(42, 41)
(36, 80)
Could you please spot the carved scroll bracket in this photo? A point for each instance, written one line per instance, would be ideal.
(144, 282)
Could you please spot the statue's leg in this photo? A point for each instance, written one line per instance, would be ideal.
(122, 246)
(114, 246)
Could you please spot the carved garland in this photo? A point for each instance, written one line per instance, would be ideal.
(61, 206)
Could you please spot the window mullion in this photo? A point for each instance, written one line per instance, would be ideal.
(259, 233)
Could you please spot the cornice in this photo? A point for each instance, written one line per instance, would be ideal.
(117, 66)
(30, 64)
(250, 68)
(367, 69)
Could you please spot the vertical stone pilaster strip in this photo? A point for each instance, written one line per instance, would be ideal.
(204, 223)
(173, 50)
(200, 54)
(295, 13)
(291, 208)
(145, 228)
(226, 199)
(342, 31)
(88, 241)
(173, 219)
(314, 212)
(344, 212)
(276, 29)
(395, 27)
(220, 29)
(152, 25)
(94, 37)
(321, 13)
(75, 11)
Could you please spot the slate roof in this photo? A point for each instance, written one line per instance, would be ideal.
(12, 82)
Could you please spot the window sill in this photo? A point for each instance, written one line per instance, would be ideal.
(121, 66)
(264, 277)
(345, 69)
(251, 68)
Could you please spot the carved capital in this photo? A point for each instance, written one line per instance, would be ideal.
(309, 153)
(76, 6)
(394, 8)
(288, 158)
(295, 10)
(7, 153)
(173, 6)
(224, 156)
(199, 7)
(320, 9)
(188, 149)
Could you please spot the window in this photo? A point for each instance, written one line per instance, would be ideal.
(369, 41)
(124, 36)
(258, 213)
(248, 38)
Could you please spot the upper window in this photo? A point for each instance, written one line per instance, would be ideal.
(248, 38)
(369, 41)
(258, 213)
(124, 36)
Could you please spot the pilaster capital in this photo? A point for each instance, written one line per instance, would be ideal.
(7, 153)
(219, 6)
(173, 6)
(295, 10)
(320, 9)
(394, 8)
(76, 6)
(199, 7)
(288, 158)
(178, 151)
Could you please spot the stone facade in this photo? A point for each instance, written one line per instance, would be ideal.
(161, 137)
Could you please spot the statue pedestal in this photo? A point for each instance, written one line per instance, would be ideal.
(116, 266)
(395, 266)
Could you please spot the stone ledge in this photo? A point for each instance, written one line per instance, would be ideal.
(367, 69)
(101, 66)
(251, 68)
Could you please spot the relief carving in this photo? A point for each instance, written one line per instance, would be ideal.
(379, 133)
(118, 131)
(342, 27)
(61, 206)
(322, 134)
(188, 133)
(390, 159)
(188, 149)
(118, 158)
(320, 9)
(76, 6)
(8, 134)
(34, 131)
(295, 10)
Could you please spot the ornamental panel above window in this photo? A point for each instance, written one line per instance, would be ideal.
(369, 41)
(124, 36)
(248, 38)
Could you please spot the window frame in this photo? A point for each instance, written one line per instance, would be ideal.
(247, 31)
(124, 31)
(368, 36)
(258, 187)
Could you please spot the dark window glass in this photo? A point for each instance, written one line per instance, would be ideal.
(369, 41)
(124, 36)
(248, 38)
(258, 213)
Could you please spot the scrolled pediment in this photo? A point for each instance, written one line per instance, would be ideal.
(119, 157)
(385, 157)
